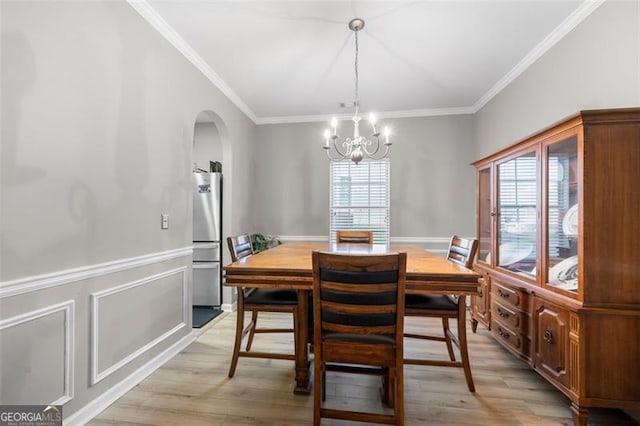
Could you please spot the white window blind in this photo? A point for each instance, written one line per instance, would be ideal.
(518, 201)
(518, 193)
(359, 198)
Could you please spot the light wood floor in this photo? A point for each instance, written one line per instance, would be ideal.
(193, 388)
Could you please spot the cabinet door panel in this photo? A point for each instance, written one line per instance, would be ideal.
(517, 204)
(551, 341)
(486, 214)
(561, 214)
(479, 301)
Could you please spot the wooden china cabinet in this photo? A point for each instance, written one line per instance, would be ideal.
(559, 255)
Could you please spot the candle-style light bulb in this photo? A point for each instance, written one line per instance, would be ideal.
(327, 135)
(334, 126)
(387, 132)
(372, 120)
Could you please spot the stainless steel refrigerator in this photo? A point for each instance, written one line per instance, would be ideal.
(207, 234)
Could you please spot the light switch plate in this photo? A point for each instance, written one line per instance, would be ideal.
(164, 224)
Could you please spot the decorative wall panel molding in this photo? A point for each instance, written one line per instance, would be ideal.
(96, 298)
(68, 310)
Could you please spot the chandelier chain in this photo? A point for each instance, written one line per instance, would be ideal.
(356, 68)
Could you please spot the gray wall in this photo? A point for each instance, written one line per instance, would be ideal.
(597, 65)
(98, 114)
(432, 183)
(206, 144)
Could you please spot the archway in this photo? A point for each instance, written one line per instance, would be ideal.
(211, 143)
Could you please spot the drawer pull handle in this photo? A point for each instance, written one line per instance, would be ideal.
(503, 334)
(548, 336)
(502, 314)
(503, 294)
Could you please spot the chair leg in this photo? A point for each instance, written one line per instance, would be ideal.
(398, 388)
(391, 377)
(324, 385)
(464, 353)
(296, 338)
(445, 330)
(385, 386)
(252, 332)
(318, 389)
(239, 334)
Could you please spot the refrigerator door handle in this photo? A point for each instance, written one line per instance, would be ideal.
(206, 245)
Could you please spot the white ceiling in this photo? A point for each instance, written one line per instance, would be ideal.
(287, 61)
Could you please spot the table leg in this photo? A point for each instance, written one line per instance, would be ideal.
(303, 384)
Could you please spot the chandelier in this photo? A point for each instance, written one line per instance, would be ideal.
(356, 148)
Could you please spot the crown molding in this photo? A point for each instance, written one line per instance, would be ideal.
(572, 21)
(156, 21)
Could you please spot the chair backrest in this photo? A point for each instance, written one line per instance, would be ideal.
(462, 251)
(359, 294)
(240, 246)
(354, 237)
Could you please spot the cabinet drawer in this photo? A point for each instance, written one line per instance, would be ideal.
(510, 338)
(516, 320)
(507, 295)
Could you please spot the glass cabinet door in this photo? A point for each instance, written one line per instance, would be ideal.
(485, 215)
(562, 214)
(517, 214)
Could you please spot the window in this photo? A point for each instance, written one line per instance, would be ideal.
(359, 198)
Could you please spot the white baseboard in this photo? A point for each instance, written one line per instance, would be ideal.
(229, 307)
(108, 397)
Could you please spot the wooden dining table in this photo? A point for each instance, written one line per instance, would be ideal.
(289, 266)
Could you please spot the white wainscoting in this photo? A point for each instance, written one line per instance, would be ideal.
(96, 374)
(20, 296)
(68, 309)
(40, 282)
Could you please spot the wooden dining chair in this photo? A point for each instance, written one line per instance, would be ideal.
(358, 323)
(354, 237)
(342, 237)
(461, 251)
(256, 300)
